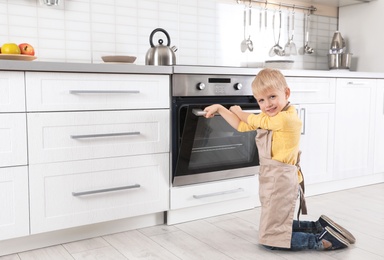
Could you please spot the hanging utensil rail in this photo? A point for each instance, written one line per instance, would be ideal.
(266, 2)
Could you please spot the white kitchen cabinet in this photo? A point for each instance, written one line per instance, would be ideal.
(211, 192)
(354, 127)
(203, 200)
(312, 90)
(13, 139)
(89, 91)
(316, 142)
(14, 213)
(76, 193)
(314, 99)
(67, 136)
(378, 166)
(14, 207)
(12, 91)
(98, 147)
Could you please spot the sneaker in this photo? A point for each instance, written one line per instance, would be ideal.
(327, 222)
(332, 240)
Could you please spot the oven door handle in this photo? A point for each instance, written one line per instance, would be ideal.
(200, 112)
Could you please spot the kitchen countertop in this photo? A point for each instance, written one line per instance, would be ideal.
(291, 73)
(83, 67)
(168, 70)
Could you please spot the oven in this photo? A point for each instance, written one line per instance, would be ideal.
(203, 149)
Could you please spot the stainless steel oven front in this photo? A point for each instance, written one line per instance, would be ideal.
(203, 149)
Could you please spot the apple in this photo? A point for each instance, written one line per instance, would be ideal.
(10, 48)
(27, 49)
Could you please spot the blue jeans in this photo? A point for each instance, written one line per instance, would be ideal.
(304, 236)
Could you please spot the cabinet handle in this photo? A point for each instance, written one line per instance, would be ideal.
(303, 116)
(89, 192)
(356, 84)
(103, 135)
(217, 193)
(104, 91)
(305, 90)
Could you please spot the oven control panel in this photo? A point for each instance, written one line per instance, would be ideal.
(211, 85)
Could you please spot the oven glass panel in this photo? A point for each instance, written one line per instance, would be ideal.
(212, 144)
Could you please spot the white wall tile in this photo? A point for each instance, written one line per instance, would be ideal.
(206, 32)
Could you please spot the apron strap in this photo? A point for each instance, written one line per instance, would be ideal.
(303, 205)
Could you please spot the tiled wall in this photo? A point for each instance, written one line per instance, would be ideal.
(206, 32)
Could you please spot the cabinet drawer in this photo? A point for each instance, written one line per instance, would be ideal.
(13, 139)
(64, 195)
(67, 136)
(12, 91)
(14, 214)
(312, 90)
(212, 192)
(87, 91)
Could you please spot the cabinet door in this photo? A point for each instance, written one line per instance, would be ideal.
(14, 214)
(317, 141)
(90, 91)
(12, 91)
(354, 127)
(77, 193)
(312, 90)
(67, 136)
(13, 139)
(379, 129)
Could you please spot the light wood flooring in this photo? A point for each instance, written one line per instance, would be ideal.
(234, 236)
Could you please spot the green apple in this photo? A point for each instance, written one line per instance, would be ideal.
(10, 48)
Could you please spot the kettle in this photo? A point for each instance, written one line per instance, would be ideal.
(160, 54)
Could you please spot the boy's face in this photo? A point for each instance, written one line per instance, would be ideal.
(273, 101)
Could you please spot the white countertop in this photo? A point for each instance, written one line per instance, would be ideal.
(83, 67)
(168, 70)
(292, 73)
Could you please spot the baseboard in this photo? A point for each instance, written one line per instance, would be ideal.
(31, 242)
(344, 184)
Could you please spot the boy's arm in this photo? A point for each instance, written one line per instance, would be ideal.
(228, 116)
(243, 116)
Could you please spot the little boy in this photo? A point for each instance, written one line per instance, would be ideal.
(278, 136)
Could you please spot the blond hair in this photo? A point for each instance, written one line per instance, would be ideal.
(268, 79)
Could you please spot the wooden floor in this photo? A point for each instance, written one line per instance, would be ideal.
(234, 236)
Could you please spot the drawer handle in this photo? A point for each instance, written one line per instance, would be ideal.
(89, 192)
(355, 83)
(217, 193)
(103, 135)
(305, 90)
(104, 91)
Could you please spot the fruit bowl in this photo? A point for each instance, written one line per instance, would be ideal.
(119, 59)
(17, 57)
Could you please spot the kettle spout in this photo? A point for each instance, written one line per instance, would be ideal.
(174, 48)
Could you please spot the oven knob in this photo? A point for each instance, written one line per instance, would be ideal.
(201, 86)
(238, 86)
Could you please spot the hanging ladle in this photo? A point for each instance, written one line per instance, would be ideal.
(249, 41)
(247, 44)
(244, 45)
(276, 49)
(290, 47)
(307, 49)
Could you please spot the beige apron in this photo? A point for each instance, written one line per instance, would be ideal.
(278, 194)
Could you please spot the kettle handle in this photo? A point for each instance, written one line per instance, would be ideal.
(159, 30)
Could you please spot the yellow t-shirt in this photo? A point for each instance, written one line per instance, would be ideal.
(286, 131)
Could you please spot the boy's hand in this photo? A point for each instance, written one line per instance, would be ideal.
(211, 111)
(235, 109)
